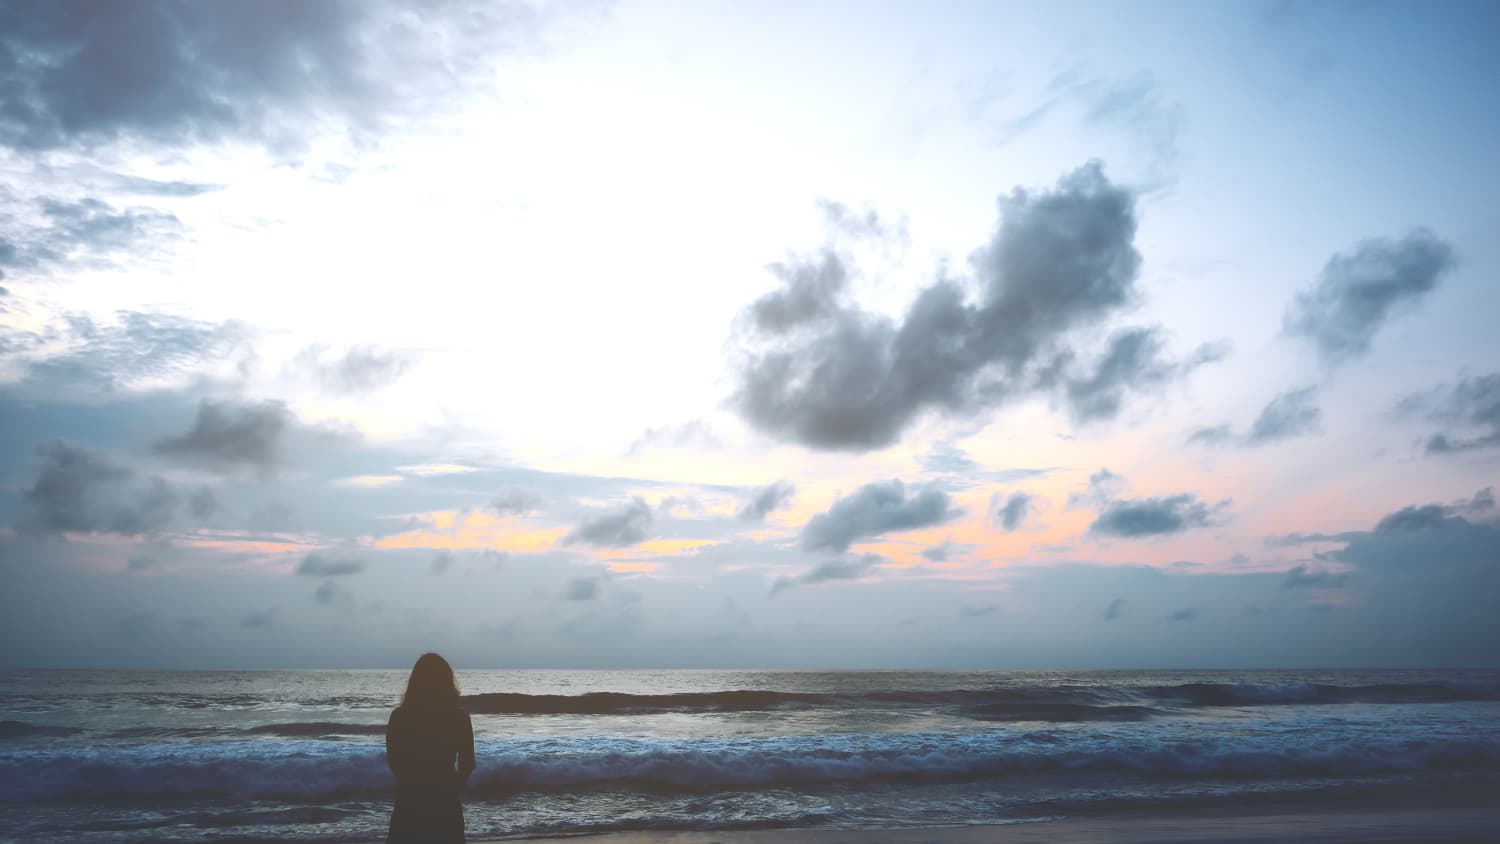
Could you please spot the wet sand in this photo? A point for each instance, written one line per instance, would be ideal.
(1467, 818)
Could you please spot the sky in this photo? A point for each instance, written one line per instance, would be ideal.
(763, 335)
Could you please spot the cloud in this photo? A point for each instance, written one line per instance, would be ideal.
(1115, 609)
(258, 620)
(78, 74)
(1138, 517)
(1303, 577)
(317, 565)
(978, 611)
(361, 369)
(1472, 404)
(949, 459)
(78, 357)
(203, 504)
(1294, 413)
(81, 491)
(627, 525)
(839, 569)
(1132, 518)
(872, 510)
(693, 434)
(442, 562)
(766, 500)
(156, 187)
(1291, 414)
(582, 589)
(230, 434)
(1212, 436)
(1010, 514)
(938, 553)
(1188, 614)
(329, 592)
(818, 370)
(48, 233)
(1429, 516)
(1133, 361)
(864, 224)
(516, 501)
(1359, 292)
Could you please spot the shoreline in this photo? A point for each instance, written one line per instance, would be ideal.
(1467, 816)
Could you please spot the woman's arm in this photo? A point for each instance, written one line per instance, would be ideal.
(465, 749)
(392, 743)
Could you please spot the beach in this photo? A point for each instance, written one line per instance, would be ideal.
(121, 757)
(1472, 818)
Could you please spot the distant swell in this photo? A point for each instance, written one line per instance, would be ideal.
(307, 770)
(317, 728)
(21, 729)
(1265, 694)
(619, 703)
(1065, 703)
(1037, 704)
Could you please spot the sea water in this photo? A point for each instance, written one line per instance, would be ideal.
(125, 756)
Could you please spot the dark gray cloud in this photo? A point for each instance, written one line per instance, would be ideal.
(81, 491)
(1115, 609)
(1131, 518)
(851, 568)
(821, 371)
(1303, 577)
(618, 528)
(872, 510)
(766, 500)
(979, 611)
(1291, 414)
(77, 73)
(1434, 571)
(231, 435)
(516, 501)
(1409, 519)
(582, 589)
(319, 565)
(1472, 406)
(50, 233)
(442, 562)
(1188, 614)
(1429, 516)
(1359, 291)
(811, 293)
(1139, 517)
(361, 369)
(1010, 514)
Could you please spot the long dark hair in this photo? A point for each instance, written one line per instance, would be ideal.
(432, 684)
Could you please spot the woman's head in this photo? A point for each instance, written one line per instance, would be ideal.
(432, 684)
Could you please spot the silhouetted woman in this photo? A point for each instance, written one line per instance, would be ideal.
(429, 744)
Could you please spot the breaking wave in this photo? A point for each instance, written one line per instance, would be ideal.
(306, 770)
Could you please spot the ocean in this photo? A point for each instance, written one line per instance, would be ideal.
(134, 756)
